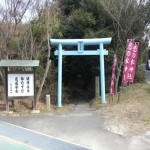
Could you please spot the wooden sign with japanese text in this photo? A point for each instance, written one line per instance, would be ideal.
(20, 85)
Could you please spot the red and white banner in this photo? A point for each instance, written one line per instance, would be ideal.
(112, 86)
(127, 60)
(133, 62)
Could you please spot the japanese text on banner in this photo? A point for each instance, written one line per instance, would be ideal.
(127, 60)
(133, 63)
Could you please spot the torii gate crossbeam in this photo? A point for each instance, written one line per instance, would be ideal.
(80, 51)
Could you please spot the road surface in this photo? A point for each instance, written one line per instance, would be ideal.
(17, 138)
(82, 126)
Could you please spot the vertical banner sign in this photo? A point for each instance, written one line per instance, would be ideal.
(112, 86)
(127, 60)
(133, 62)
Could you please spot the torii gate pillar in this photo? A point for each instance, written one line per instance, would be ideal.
(80, 51)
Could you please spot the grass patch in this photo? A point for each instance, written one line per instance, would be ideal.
(131, 114)
(61, 110)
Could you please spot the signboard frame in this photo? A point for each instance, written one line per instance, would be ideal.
(20, 73)
(7, 65)
(33, 98)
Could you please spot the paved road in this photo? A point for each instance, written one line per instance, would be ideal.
(17, 138)
(11, 144)
(81, 126)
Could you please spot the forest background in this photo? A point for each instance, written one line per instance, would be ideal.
(73, 19)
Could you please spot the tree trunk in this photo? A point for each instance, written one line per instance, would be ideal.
(119, 73)
(48, 57)
(45, 73)
(117, 78)
(43, 80)
(2, 77)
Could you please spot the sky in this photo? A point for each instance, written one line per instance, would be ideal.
(27, 16)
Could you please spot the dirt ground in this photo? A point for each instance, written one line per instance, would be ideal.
(20, 107)
(131, 115)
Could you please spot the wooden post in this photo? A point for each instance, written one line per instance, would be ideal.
(48, 101)
(97, 87)
(6, 90)
(34, 100)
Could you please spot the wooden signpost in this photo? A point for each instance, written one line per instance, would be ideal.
(20, 84)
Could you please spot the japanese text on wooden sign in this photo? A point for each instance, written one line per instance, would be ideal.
(20, 85)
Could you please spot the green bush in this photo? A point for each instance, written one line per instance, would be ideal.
(140, 74)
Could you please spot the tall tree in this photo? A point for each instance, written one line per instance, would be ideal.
(83, 19)
(30, 39)
(130, 19)
(11, 16)
(10, 20)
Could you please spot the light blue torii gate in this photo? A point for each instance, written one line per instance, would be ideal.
(80, 51)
